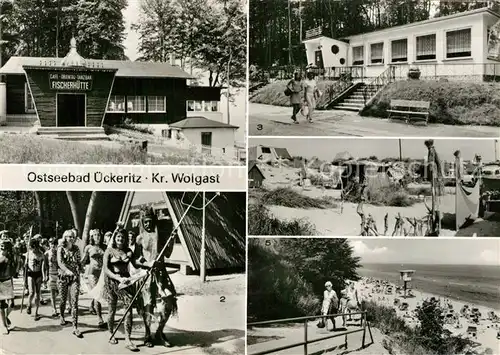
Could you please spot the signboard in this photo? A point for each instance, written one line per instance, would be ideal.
(70, 81)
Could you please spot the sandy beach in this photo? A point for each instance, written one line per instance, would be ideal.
(486, 337)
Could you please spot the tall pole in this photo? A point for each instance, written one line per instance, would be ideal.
(289, 33)
(300, 20)
(400, 151)
(203, 242)
(496, 149)
(57, 31)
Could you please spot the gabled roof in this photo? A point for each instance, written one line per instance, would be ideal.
(124, 68)
(253, 165)
(200, 122)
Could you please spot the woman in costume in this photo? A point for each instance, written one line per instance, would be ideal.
(117, 285)
(8, 268)
(52, 271)
(93, 255)
(69, 261)
(35, 261)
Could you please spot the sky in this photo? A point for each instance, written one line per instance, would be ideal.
(327, 148)
(237, 109)
(428, 251)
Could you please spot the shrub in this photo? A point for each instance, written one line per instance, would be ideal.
(452, 102)
(393, 195)
(262, 223)
(290, 198)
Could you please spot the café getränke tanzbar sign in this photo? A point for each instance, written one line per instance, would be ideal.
(70, 81)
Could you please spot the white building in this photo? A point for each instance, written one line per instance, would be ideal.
(454, 46)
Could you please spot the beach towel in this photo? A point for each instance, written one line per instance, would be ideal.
(466, 203)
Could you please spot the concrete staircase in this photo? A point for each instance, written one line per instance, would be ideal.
(73, 133)
(26, 120)
(355, 101)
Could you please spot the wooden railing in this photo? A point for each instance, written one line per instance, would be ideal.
(329, 73)
(387, 76)
(364, 323)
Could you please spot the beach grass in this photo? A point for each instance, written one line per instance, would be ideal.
(261, 222)
(32, 149)
(453, 102)
(287, 197)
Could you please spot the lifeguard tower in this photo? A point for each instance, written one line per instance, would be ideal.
(406, 278)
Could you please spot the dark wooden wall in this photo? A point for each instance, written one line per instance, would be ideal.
(203, 93)
(173, 89)
(15, 94)
(45, 98)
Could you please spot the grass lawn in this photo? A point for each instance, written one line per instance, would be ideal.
(32, 149)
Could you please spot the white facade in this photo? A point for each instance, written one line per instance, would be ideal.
(333, 52)
(449, 46)
(222, 139)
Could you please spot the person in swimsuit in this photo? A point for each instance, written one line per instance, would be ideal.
(116, 261)
(311, 93)
(8, 268)
(92, 255)
(69, 261)
(51, 275)
(35, 269)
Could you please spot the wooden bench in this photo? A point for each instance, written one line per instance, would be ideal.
(406, 109)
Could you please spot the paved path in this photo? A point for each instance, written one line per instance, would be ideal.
(271, 120)
(204, 326)
(262, 339)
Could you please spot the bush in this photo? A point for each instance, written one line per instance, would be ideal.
(290, 198)
(452, 102)
(393, 195)
(262, 223)
(273, 93)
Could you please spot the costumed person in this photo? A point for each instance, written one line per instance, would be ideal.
(311, 93)
(69, 261)
(435, 176)
(35, 266)
(107, 238)
(153, 240)
(459, 169)
(135, 248)
(295, 87)
(51, 274)
(330, 303)
(8, 268)
(93, 255)
(115, 283)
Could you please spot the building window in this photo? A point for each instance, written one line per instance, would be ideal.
(116, 103)
(157, 104)
(136, 104)
(357, 55)
(458, 43)
(399, 50)
(426, 47)
(377, 53)
(202, 106)
(29, 103)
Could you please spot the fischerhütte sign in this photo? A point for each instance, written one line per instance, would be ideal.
(70, 82)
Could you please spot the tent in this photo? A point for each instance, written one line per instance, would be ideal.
(267, 154)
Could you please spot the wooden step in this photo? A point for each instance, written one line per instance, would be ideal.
(73, 133)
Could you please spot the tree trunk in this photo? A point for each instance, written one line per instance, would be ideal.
(74, 210)
(89, 217)
(38, 200)
(229, 85)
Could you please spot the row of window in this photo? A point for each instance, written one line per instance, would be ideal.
(458, 45)
(135, 104)
(202, 106)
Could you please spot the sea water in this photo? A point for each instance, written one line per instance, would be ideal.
(475, 284)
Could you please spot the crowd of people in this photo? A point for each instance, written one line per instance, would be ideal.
(106, 268)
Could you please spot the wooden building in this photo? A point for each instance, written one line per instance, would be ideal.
(74, 93)
(255, 175)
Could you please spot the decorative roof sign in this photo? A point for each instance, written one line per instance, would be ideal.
(73, 58)
(70, 82)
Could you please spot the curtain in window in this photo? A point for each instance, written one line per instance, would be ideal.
(156, 103)
(399, 50)
(426, 45)
(136, 103)
(357, 54)
(458, 41)
(377, 52)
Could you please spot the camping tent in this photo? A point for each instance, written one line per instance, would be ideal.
(267, 154)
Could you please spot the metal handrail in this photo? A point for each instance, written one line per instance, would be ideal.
(305, 342)
(386, 77)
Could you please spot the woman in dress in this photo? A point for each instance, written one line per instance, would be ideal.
(51, 275)
(311, 93)
(330, 302)
(295, 87)
(117, 284)
(8, 268)
(35, 266)
(93, 255)
(69, 261)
